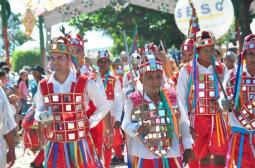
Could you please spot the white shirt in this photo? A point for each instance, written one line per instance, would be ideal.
(7, 124)
(137, 148)
(116, 105)
(232, 121)
(91, 92)
(85, 70)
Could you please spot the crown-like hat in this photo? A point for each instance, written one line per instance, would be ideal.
(59, 45)
(204, 38)
(76, 39)
(150, 63)
(188, 45)
(249, 42)
(103, 54)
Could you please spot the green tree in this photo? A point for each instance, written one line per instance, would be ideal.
(243, 17)
(16, 36)
(153, 26)
(28, 58)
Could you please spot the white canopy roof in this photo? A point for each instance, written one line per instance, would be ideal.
(76, 7)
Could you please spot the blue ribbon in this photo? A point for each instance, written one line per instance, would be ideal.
(129, 162)
(240, 155)
(55, 154)
(47, 152)
(194, 105)
(241, 130)
(87, 149)
(156, 163)
(238, 82)
(216, 87)
(106, 79)
(66, 156)
(83, 154)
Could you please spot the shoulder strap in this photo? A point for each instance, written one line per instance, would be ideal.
(80, 83)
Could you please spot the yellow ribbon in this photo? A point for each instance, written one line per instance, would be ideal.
(232, 152)
(217, 130)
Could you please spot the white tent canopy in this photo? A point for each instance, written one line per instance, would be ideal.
(76, 7)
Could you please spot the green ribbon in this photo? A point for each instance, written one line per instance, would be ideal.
(170, 130)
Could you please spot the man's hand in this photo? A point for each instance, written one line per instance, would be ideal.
(108, 138)
(13, 98)
(162, 56)
(11, 157)
(227, 104)
(188, 156)
(193, 133)
(108, 131)
(143, 130)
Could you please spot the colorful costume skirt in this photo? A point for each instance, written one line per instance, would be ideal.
(80, 154)
(157, 162)
(241, 149)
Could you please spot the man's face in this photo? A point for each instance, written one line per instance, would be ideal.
(250, 60)
(187, 56)
(152, 80)
(124, 59)
(118, 69)
(60, 62)
(103, 64)
(36, 74)
(205, 54)
(4, 79)
(77, 51)
(229, 63)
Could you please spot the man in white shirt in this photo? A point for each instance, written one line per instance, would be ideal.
(198, 90)
(61, 102)
(187, 51)
(240, 84)
(112, 88)
(150, 122)
(129, 85)
(7, 126)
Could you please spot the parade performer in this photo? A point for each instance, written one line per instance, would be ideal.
(61, 104)
(240, 84)
(112, 88)
(118, 69)
(77, 52)
(130, 86)
(198, 91)
(187, 51)
(150, 121)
